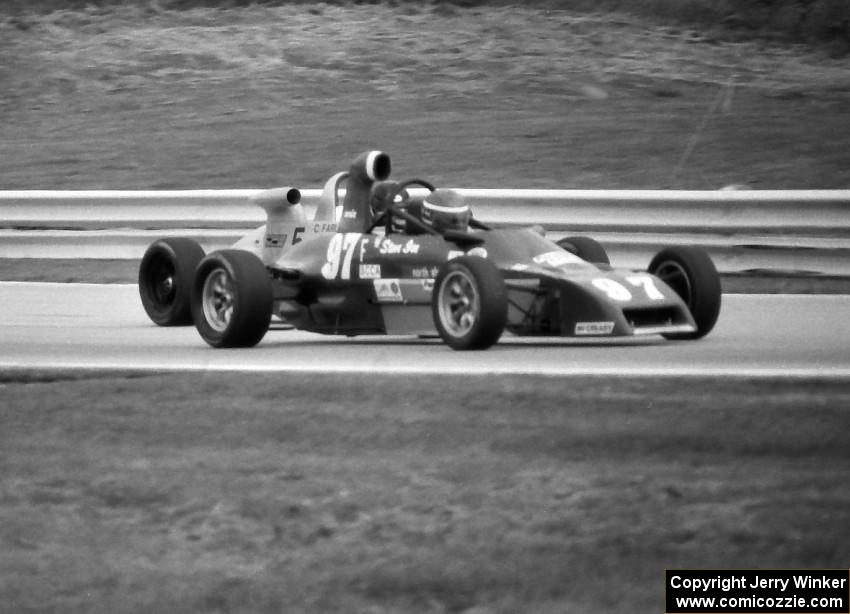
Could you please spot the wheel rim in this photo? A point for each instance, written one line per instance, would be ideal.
(162, 283)
(458, 303)
(218, 299)
(674, 275)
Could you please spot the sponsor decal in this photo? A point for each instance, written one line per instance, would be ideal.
(475, 251)
(324, 227)
(428, 285)
(275, 240)
(388, 246)
(351, 214)
(388, 291)
(424, 272)
(369, 271)
(557, 258)
(594, 328)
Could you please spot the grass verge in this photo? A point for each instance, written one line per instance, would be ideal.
(235, 493)
(819, 21)
(465, 96)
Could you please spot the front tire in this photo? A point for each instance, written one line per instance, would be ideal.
(470, 303)
(165, 280)
(232, 299)
(690, 272)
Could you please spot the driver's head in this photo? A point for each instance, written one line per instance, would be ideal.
(445, 210)
(385, 194)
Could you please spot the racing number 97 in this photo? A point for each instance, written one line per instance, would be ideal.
(618, 292)
(340, 252)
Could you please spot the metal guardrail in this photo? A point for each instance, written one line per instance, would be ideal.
(720, 210)
(799, 231)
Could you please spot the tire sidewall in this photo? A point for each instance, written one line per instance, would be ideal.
(183, 255)
(253, 299)
(704, 282)
(491, 318)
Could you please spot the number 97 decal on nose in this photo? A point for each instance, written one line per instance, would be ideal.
(618, 292)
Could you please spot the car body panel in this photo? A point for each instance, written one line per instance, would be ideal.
(375, 283)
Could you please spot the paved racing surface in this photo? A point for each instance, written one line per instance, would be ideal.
(70, 326)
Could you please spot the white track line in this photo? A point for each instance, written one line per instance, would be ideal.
(837, 373)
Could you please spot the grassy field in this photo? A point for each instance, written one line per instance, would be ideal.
(822, 22)
(217, 493)
(473, 97)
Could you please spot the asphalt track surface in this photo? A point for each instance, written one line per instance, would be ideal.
(45, 326)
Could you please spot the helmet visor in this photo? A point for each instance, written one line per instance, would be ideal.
(442, 217)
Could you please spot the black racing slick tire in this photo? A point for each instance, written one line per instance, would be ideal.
(585, 248)
(470, 303)
(690, 272)
(165, 280)
(232, 299)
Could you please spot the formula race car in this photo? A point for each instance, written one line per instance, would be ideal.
(376, 262)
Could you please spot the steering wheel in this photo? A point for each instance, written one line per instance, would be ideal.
(409, 182)
(399, 189)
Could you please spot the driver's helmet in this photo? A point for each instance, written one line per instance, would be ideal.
(445, 209)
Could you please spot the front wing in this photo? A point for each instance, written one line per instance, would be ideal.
(610, 304)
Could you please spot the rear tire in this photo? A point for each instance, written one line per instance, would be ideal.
(470, 303)
(585, 248)
(690, 272)
(232, 299)
(165, 280)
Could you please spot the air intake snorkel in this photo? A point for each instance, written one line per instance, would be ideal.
(367, 168)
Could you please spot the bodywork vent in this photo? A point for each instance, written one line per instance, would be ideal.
(653, 317)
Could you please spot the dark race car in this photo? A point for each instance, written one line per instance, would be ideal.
(376, 264)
